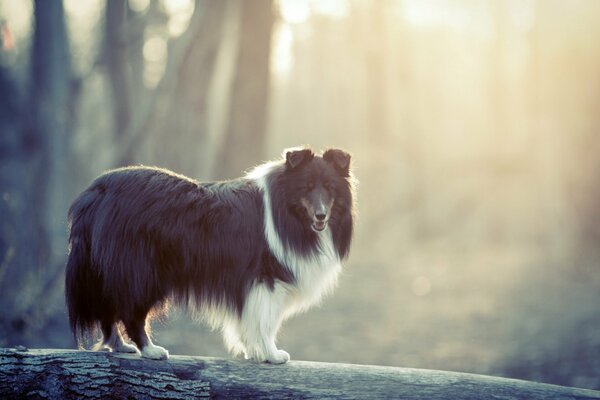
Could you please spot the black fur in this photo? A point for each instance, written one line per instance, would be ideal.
(142, 236)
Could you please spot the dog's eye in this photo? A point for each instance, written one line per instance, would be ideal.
(327, 185)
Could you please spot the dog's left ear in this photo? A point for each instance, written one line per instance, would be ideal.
(340, 160)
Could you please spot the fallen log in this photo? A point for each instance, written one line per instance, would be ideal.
(63, 374)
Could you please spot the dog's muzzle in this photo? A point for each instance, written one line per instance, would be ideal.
(319, 222)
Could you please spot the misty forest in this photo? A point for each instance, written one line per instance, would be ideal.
(471, 125)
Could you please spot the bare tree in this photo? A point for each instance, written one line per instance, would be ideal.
(245, 137)
(21, 239)
(51, 108)
(115, 55)
(180, 109)
(35, 171)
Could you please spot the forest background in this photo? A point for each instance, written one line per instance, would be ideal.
(474, 129)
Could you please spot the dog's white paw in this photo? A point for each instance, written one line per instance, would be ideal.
(280, 357)
(155, 352)
(124, 348)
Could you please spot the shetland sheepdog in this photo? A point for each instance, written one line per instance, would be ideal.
(243, 254)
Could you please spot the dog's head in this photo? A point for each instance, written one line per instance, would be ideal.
(319, 185)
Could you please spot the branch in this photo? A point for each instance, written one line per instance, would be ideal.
(60, 374)
(201, 35)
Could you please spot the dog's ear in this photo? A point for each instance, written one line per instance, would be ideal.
(340, 160)
(297, 156)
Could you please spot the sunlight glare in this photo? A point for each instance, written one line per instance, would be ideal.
(18, 17)
(155, 49)
(283, 57)
(336, 9)
(82, 9)
(139, 5)
(523, 14)
(155, 54)
(82, 18)
(431, 12)
(180, 13)
(298, 11)
(294, 11)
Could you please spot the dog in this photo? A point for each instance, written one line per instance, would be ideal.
(243, 254)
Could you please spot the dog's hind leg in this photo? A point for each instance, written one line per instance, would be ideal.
(137, 330)
(114, 340)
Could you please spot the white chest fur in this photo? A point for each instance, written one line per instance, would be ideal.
(315, 275)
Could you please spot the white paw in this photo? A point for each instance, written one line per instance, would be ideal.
(124, 348)
(155, 352)
(281, 357)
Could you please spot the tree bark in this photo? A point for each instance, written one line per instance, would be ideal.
(62, 374)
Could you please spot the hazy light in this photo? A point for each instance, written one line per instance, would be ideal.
(177, 6)
(337, 9)
(6, 40)
(421, 286)
(523, 14)
(432, 12)
(82, 18)
(139, 5)
(82, 9)
(298, 11)
(155, 49)
(180, 13)
(283, 58)
(155, 54)
(18, 16)
(294, 11)
(152, 74)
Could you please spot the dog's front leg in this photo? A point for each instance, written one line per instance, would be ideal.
(260, 322)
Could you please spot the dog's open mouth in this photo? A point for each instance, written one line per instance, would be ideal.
(318, 226)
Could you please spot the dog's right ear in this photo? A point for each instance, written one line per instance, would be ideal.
(297, 156)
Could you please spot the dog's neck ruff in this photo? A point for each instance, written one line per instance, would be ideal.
(324, 261)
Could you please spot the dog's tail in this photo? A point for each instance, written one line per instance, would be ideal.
(83, 283)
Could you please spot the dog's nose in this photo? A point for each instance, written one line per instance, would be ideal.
(320, 216)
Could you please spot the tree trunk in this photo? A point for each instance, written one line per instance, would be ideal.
(21, 239)
(178, 113)
(64, 374)
(116, 55)
(36, 170)
(51, 111)
(244, 144)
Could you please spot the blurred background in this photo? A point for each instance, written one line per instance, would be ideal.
(473, 126)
